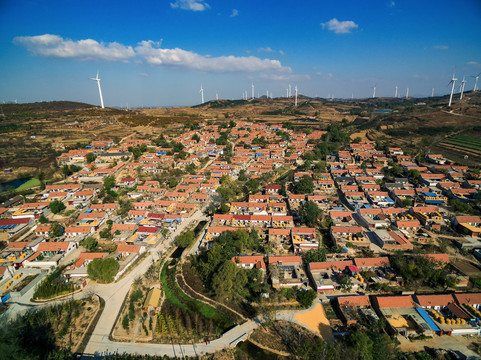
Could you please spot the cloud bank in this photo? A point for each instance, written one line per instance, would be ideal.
(149, 51)
(88, 49)
(340, 27)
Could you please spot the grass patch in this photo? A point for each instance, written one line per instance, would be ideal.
(177, 297)
(29, 184)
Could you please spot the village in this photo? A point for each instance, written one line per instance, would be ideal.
(373, 232)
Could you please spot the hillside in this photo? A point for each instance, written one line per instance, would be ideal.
(417, 125)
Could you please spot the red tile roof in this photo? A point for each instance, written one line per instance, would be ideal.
(395, 301)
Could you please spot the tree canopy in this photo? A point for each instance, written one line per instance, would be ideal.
(56, 206)
(103, 270)
(310, 213)
(305, 185)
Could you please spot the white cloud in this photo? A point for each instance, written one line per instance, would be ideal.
(194, 5)
(235, 13)
(143, 74)
(87, 49)
(441, 47)
(475, 63)
(340, 27)
(268, 49)
(179, 58)
(392, 4)
(145, 51)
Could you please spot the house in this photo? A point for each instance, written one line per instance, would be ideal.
(74, 231)
(467, 224)
(304, 239)
(324, 276)
(390, 240)
(273, 189)
(434, 301)
(49, 254)
(353, 308)
(152, 301)
(280, 239)
(126, 250)
(342, 235)
(372, 218)
(13, 228)
(365, 264)
(407, 224)
(402, 317)
(79, 268)
(286, 271)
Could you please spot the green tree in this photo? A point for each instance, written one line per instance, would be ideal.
(306, 297)
(196, 138)
(362, 343)
(90, 157)
(89, 243)
(56, 230)
(314, 255)
(184, 240)
(173, 182)
(109, 182)
(252, 186)
(56, 206)
(103, 270)
(310, 213)
(305, 185)
(414, 174)
(346, 282)
(42, 219)
(242, 175)
(66, 171)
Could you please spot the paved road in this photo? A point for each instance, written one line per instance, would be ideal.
(115, 293)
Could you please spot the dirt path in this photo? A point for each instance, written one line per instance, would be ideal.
(205, 299)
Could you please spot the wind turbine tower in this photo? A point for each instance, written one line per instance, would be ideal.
(453, 81)
(201, 94)
(290, 94)
(395, 94)
(374, 92)
(462, 87)
(295, 89)
(216, 96)
(100, 90)
(432, 92)
(252, 90)
(476, 82)
(407, 93)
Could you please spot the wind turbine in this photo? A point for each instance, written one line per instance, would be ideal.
(453, 81)
(407, 93)
(432, 92)
(462, 87)
(395, 94)
(295, 89)
(287, 92)
(290, 94)
(374, 92)
(201, 94)
(216, 96)
(252, 91)
(476, 82)
(100, 90)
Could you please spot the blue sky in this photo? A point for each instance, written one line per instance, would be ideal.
(158, 53)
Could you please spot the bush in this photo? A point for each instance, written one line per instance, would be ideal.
(305, 298)
(103, 271)
(125, 322)
(56, 206)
